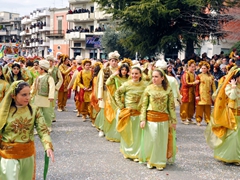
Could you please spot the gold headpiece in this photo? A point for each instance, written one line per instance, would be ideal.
(127, 61)
(190, 62)
(86, 61)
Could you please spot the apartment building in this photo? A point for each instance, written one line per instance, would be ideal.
(35, 28)
(58, 24)
(10, 26)
(85, 29)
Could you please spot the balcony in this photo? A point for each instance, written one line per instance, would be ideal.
(22, 33)
(55, 33)
(15, 32)
(4, 33)
(100, 15)
(80, 17)
(25, 20)
(44, 12)
(45, 28)
(78, 1)
(44, 43)
(76, 36)
(33, 30)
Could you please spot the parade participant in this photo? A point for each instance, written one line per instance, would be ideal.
(203, 92)
(129, 117)
(94, 109)
(63, 91)
(113, 83)
(158, 116)
(83, 86)
(25, 71)
(74, 76)
(43, 91)
(108, 69)
(223, 132)
(15, 74)
(18, 119)
(34, 70)
(4, 85)
(162, 65)
(55, 73)
(188, 83)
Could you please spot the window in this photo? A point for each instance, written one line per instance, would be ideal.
(92, 9)
(77, 44)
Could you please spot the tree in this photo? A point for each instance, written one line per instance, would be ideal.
(167, 24)
(113, 40)
(237, 46)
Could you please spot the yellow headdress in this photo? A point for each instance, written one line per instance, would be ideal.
(86, 61)
(204, 63)
(128, 61)
(98, 64)
(190, 62)
(20, 58)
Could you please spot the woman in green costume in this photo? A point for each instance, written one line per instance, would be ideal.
(17, 121)
(158, 119)
(129, 117)
(116, 80)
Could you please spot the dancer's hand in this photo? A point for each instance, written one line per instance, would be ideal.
(142, 124)
(174, 126)
(50, 154)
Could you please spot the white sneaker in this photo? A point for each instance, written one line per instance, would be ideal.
(101, 134)
(199, 124)
(75, 110)
(160, 168)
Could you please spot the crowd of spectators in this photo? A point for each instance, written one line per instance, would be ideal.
(77, 11)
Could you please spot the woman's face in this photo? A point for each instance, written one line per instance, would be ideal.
(135, 74)
(35, 66)
(87, 66)
(15, 70)
(169, 69)
(23, 97)
(204, 69)
(66, 62)
(124, 71)
(157, 78)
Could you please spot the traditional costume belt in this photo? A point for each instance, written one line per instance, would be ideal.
(16, 150)
(124, 117)
(236, 112)
(154, 116)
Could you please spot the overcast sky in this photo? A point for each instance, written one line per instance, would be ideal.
(25, 7)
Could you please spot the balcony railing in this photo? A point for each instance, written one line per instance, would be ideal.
(4, 32)
(15, 32)
(55, 33)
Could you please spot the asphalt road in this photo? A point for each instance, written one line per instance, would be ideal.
(81, 155)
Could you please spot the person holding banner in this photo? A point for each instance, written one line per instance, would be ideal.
(158, 121)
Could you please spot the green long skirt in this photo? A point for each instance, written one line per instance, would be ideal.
(154, 144)
(100, 120)
(132, 151)
(110, 130)
(229, 150)
(17, 169)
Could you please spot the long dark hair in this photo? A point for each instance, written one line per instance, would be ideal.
(164, 82)
(2, 76)
(19, 75)
(137, 68)
(236, 75)
(19, 87)
(127, 68)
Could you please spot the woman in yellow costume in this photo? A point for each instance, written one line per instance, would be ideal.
(17, 121)
(204, 91)
(83, 86)
(113, 83)
(4, 85)
(158, 119)
(63, 91)
(16, 74)
(93, 97)
(223, 132)
(129, 117)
